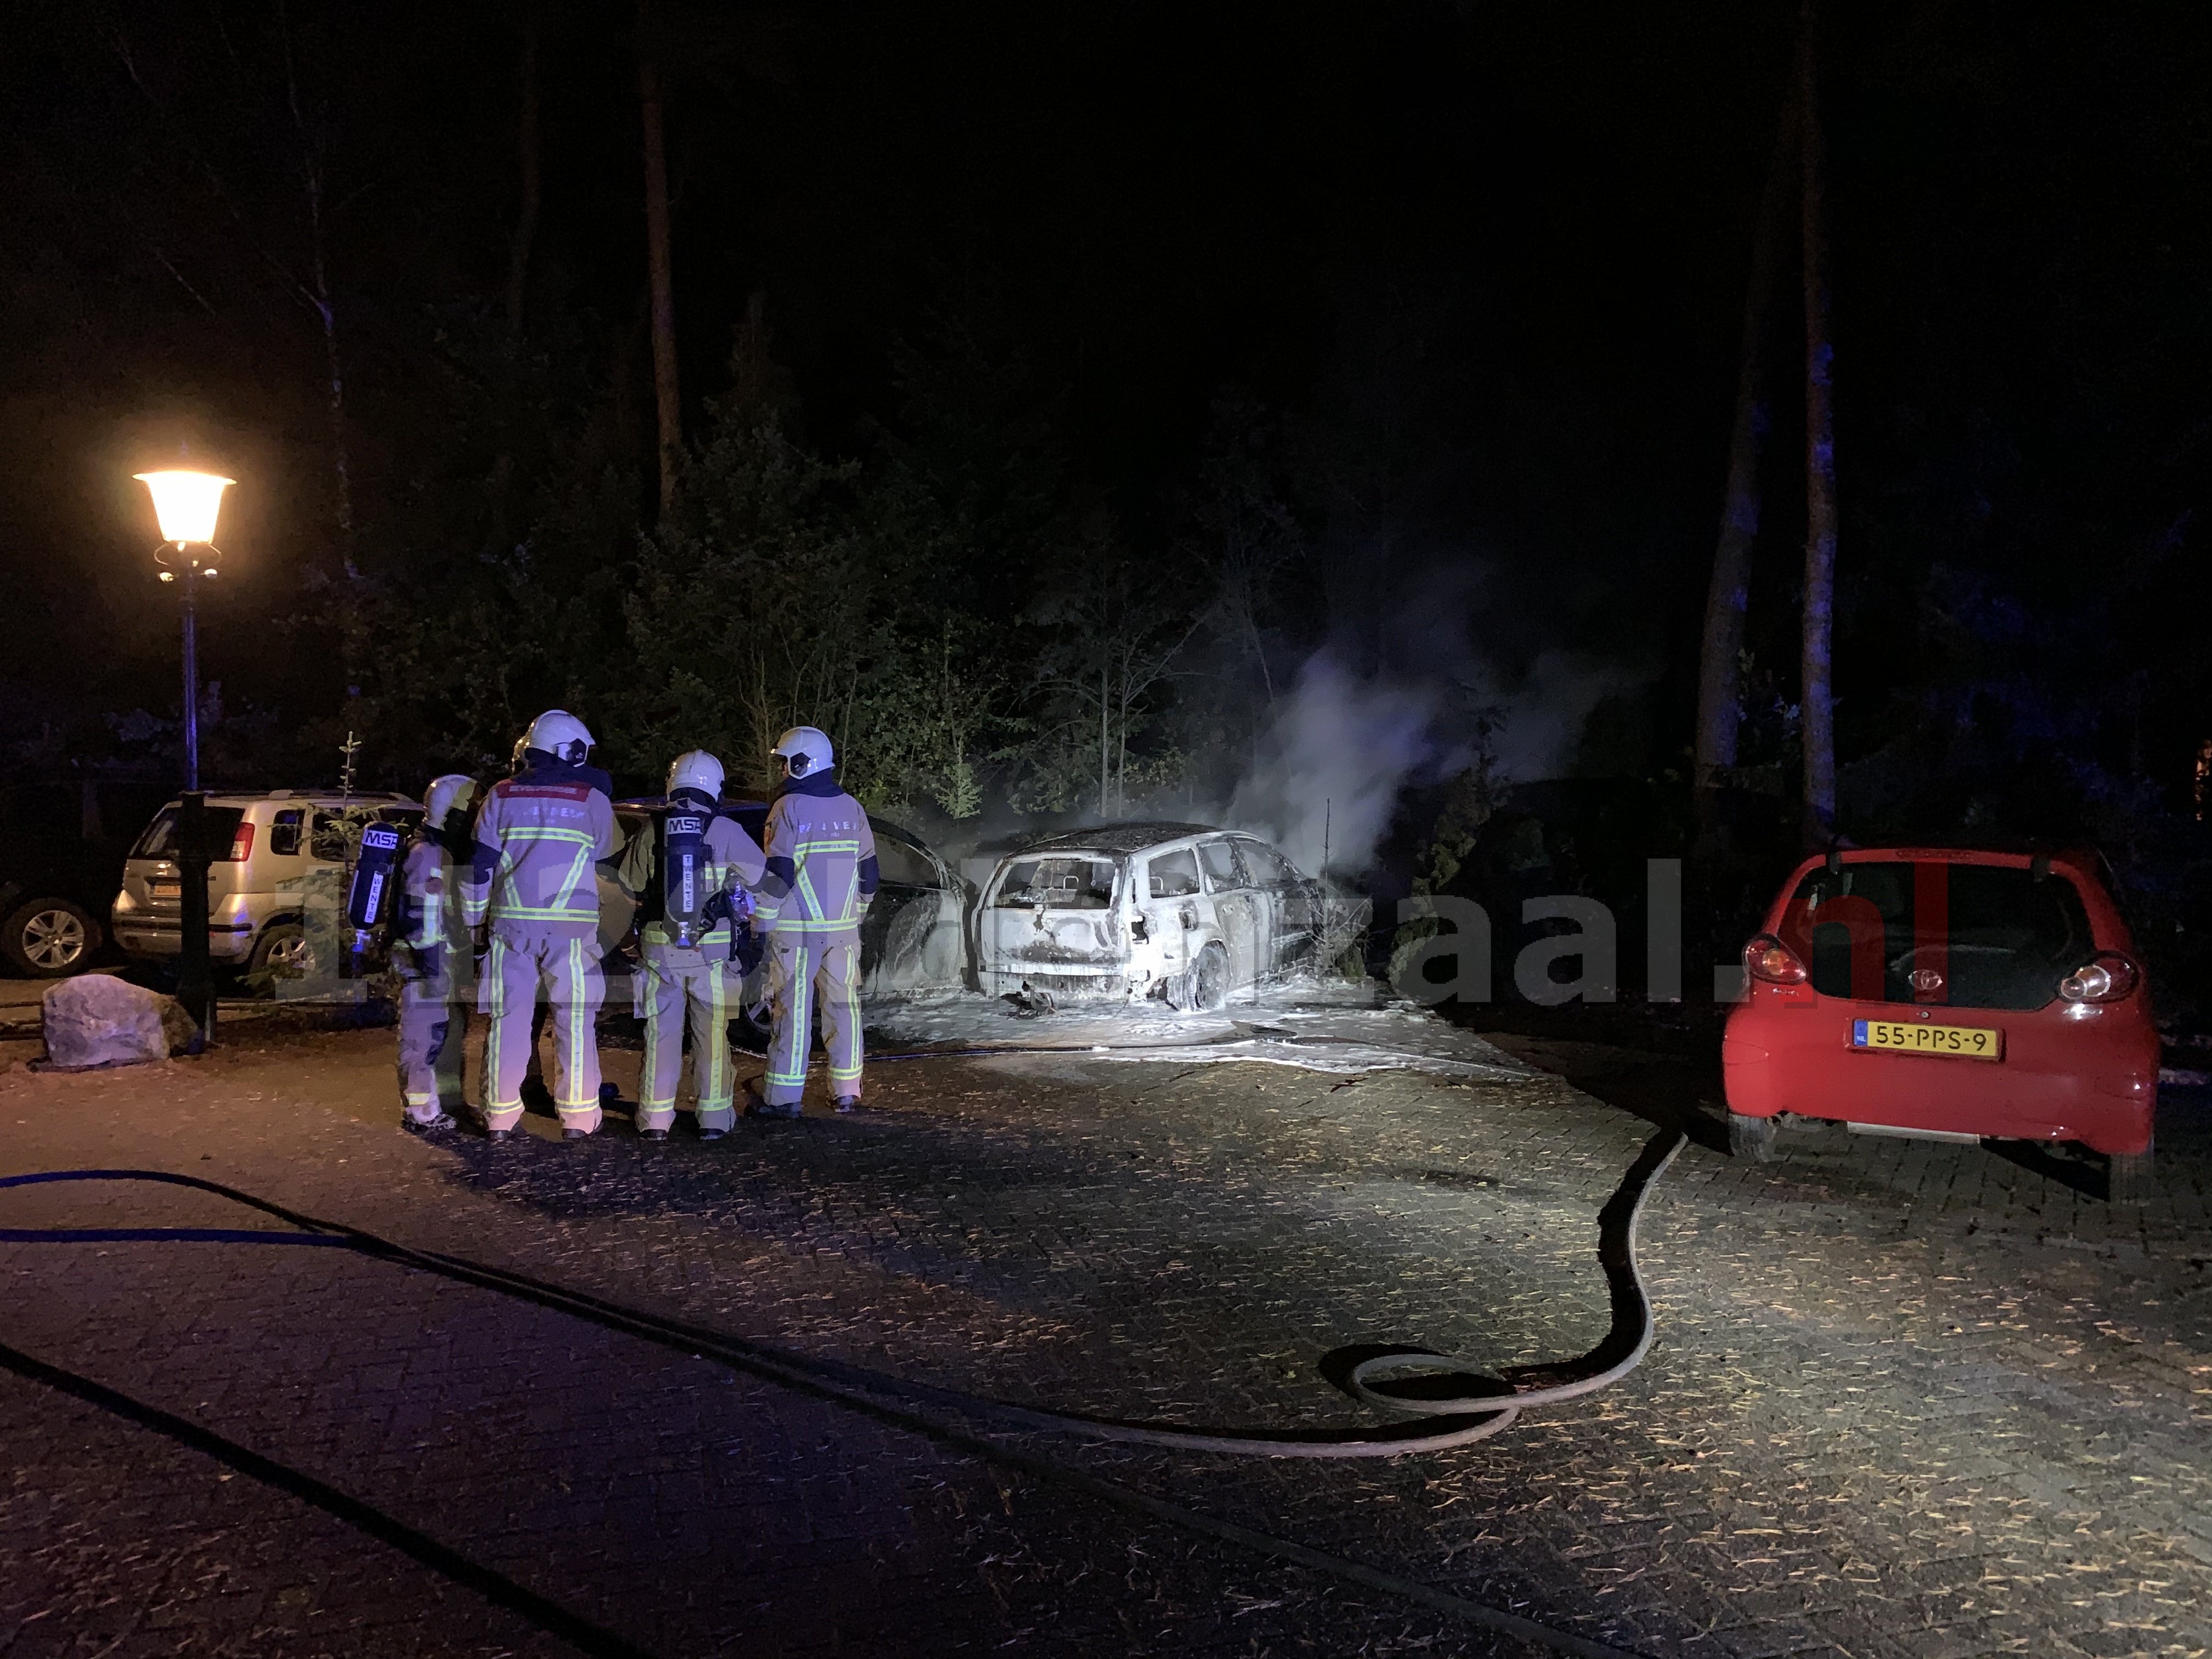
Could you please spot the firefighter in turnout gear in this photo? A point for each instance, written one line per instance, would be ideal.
(432, 951)
(821, 876)
(692, 873)
(538, 839)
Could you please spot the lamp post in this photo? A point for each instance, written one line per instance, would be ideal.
(186, 505)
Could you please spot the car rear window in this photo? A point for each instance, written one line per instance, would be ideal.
(1071, 884)
(1966, 935)
(160, 841)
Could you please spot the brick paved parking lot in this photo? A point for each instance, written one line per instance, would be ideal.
(1905, 1399)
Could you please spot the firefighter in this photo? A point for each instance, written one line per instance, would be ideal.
(536, 1097)
(538, 839)
(821, 876)
(686, 935)
(433, 954)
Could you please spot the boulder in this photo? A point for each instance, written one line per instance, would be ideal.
(97, 1019)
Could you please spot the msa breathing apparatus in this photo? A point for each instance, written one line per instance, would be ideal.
(369, 900)
(690, 903)
(684, 872)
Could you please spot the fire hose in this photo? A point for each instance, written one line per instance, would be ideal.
(1458, 1420)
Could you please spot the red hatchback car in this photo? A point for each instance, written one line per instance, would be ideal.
(1950, 993)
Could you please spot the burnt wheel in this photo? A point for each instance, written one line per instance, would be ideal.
(1752, 1138)
(49, 938)
(1209, 979)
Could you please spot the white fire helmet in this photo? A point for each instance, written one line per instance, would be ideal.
(455, 791)
(697, 770)
(806, 750)
(562, 735)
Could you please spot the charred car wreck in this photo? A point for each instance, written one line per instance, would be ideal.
(1178, 913)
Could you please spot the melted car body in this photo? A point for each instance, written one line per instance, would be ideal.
(1181, 913)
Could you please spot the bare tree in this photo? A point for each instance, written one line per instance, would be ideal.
(1817, 718)
(519, 248)
(1720, 673)
(528, 167)
(313, 136)
(1111, 639)
(667, 400)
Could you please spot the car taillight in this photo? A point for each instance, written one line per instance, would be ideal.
(242, 844)
(2106, 977)
(1768, 958)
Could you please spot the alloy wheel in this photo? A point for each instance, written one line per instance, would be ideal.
(54, 940)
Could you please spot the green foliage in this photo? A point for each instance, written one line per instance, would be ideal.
(1110, 630)
(792, 591)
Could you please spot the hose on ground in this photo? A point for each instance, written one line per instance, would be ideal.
(1452, 1422)
(884, 1399)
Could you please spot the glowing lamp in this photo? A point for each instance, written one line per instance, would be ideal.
(186, 503)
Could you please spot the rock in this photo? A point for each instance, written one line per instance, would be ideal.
(97, 1019)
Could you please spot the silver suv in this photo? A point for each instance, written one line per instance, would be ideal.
(254, 895)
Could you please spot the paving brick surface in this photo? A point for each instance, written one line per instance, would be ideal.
(1906, 1399)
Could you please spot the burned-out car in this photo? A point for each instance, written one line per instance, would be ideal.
(910, 939)
(1134, 912)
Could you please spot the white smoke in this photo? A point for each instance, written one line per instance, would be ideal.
(1332, 764)
(1540, 721)
(1343, 747)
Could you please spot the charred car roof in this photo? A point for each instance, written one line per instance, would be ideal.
(1112, 838)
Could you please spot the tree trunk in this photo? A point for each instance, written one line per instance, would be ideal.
(1817, 708)
(518, 270)
(1105, 742)
(320, 297)
(1121, 757)
(525, 222)
(667, 401)
(1720, 670)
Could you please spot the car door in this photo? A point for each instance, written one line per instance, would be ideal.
(911, 938)
(1288, 901)
(1237, 908)
(1168, 895)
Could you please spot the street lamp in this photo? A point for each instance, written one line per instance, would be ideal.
(186, 505)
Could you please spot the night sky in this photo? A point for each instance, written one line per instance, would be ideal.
(1481, 268)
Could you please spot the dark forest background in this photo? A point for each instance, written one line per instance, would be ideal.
(1201, 409)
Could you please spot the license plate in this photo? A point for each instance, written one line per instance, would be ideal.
(1954, 1042)
(161, 890)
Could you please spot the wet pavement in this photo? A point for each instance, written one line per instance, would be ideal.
(1906, 1399)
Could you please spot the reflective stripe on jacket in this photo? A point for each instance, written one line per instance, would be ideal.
(820, 860)
(431, 922)
(537, 840)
